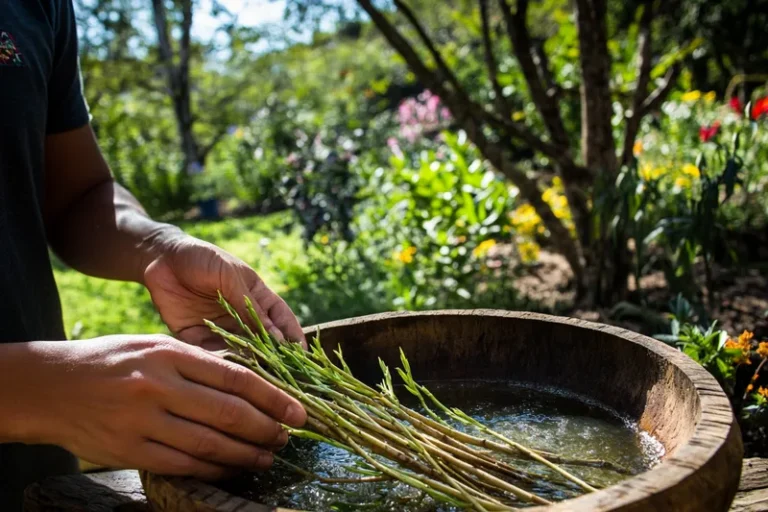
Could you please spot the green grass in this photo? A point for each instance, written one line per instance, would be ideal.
(96, 307)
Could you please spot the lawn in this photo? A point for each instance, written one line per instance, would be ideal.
(96, 307)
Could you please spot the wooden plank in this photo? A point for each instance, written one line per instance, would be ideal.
(754, 475)
(752, 501)
(96, 492)
(753, 489)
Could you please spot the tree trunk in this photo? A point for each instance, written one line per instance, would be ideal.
(607, 255)
(178, 79)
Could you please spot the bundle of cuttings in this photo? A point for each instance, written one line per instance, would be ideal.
(473, 468)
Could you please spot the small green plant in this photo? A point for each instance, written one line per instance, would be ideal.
(725, 357)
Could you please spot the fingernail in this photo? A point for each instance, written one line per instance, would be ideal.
(274, 331)
(282, 439)
(295, 415)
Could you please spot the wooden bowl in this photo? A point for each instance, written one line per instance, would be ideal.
(670, 396)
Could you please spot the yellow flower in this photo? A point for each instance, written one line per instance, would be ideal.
(691, 170)
(650, 173)
(529, 251)
(682, 182)
(324, 239)
(239, 133)
(691, 96)
(762, 349)
(710, 97)
(483, 248)
(405, 256)
(762, 392)
(518, 116)
(525, 220)
(637, 148)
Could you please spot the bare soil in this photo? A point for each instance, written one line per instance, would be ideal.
(741, 297)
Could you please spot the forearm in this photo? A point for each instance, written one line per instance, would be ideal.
(106, 233)
(22, 390)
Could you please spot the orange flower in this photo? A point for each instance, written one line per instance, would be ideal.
(762, 349)
(762, 392)
(750, 388)
(743, 344)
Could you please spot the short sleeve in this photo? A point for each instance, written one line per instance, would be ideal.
(67, 109)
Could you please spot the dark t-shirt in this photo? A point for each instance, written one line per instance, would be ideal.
(40, 94)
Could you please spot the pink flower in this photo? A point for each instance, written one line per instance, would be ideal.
(433, 102)
(394, 146)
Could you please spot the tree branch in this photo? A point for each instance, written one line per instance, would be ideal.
(521, 132)
(643, 78)
(657, 97)
(490, 61)
(164, 40)
(425, 75)
(517, 31)
(433, 51)
(540, 58)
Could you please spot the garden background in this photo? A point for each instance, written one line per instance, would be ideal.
(601, 159)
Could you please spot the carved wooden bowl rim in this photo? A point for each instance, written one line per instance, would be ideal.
(715, 431)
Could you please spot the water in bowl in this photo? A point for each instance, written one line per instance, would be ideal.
(545, 419)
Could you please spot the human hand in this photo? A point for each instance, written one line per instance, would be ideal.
(155, 403)
(184, 282)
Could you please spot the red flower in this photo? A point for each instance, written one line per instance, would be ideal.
(707, 132)
(736, 105)
(760, 108)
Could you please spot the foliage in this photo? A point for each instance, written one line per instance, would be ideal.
(424, 237)
(725, 357)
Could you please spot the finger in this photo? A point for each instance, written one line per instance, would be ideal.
(237, 289)
(283, 317)
(164, 460)
(226, 413)
(201, 336)
(257, 296)
(214, 372)
(206, 444)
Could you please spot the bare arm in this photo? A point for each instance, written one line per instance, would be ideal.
(95, 225)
